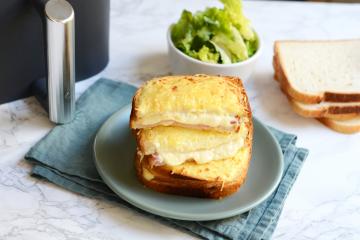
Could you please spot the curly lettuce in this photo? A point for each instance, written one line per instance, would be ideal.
(216, 35)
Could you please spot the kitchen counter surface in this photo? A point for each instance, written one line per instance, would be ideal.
(324, 202)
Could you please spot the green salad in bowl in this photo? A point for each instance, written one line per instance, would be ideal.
(216, 35)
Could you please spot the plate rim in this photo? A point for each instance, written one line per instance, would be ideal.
(178, 215)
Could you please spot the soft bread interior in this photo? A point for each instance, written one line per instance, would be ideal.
(175, 145)
(199, 101)
(314, 67)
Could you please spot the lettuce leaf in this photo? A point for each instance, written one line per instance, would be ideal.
(234, 9)
(206, 55)
(225, 57)
(182, 32)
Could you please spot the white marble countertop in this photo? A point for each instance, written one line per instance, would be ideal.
(324, 202)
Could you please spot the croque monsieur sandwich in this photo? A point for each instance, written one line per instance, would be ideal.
(193, 133)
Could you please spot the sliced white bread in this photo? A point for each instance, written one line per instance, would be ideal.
(333, 110)
(319, 71)
(337, 111)
(342, 126)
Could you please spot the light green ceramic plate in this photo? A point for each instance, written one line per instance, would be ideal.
(114, 151)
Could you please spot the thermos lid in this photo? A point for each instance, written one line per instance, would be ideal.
(59, 10)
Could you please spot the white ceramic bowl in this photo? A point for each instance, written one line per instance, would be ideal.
(181, 63)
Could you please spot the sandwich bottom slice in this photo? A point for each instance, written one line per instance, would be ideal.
(214, 179)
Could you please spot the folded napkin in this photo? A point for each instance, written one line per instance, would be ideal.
(65, 158)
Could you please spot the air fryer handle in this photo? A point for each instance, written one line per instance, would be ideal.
(58, 24)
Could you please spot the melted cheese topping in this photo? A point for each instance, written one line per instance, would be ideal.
(193, 94)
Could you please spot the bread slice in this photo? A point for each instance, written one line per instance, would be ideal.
(214, 179)
(346, 126)
(332, 110)
(320, 71)
(199, 101)
(337, 111)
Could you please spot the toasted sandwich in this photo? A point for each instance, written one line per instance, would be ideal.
(194, 135)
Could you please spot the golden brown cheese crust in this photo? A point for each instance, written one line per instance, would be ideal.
(165, 181)
(199, 94)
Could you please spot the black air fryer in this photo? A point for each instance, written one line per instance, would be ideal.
(47, 45)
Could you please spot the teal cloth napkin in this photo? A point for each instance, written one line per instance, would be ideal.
(64, 157)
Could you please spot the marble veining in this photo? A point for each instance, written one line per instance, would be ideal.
(325, 201)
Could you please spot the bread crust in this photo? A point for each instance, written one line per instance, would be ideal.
(332, 112)
(338, 127)
(309, 98)
(166, 182)
(133, 114)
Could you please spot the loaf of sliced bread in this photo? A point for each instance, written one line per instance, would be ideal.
(321, 80)
(343, 126)
(319, 71)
